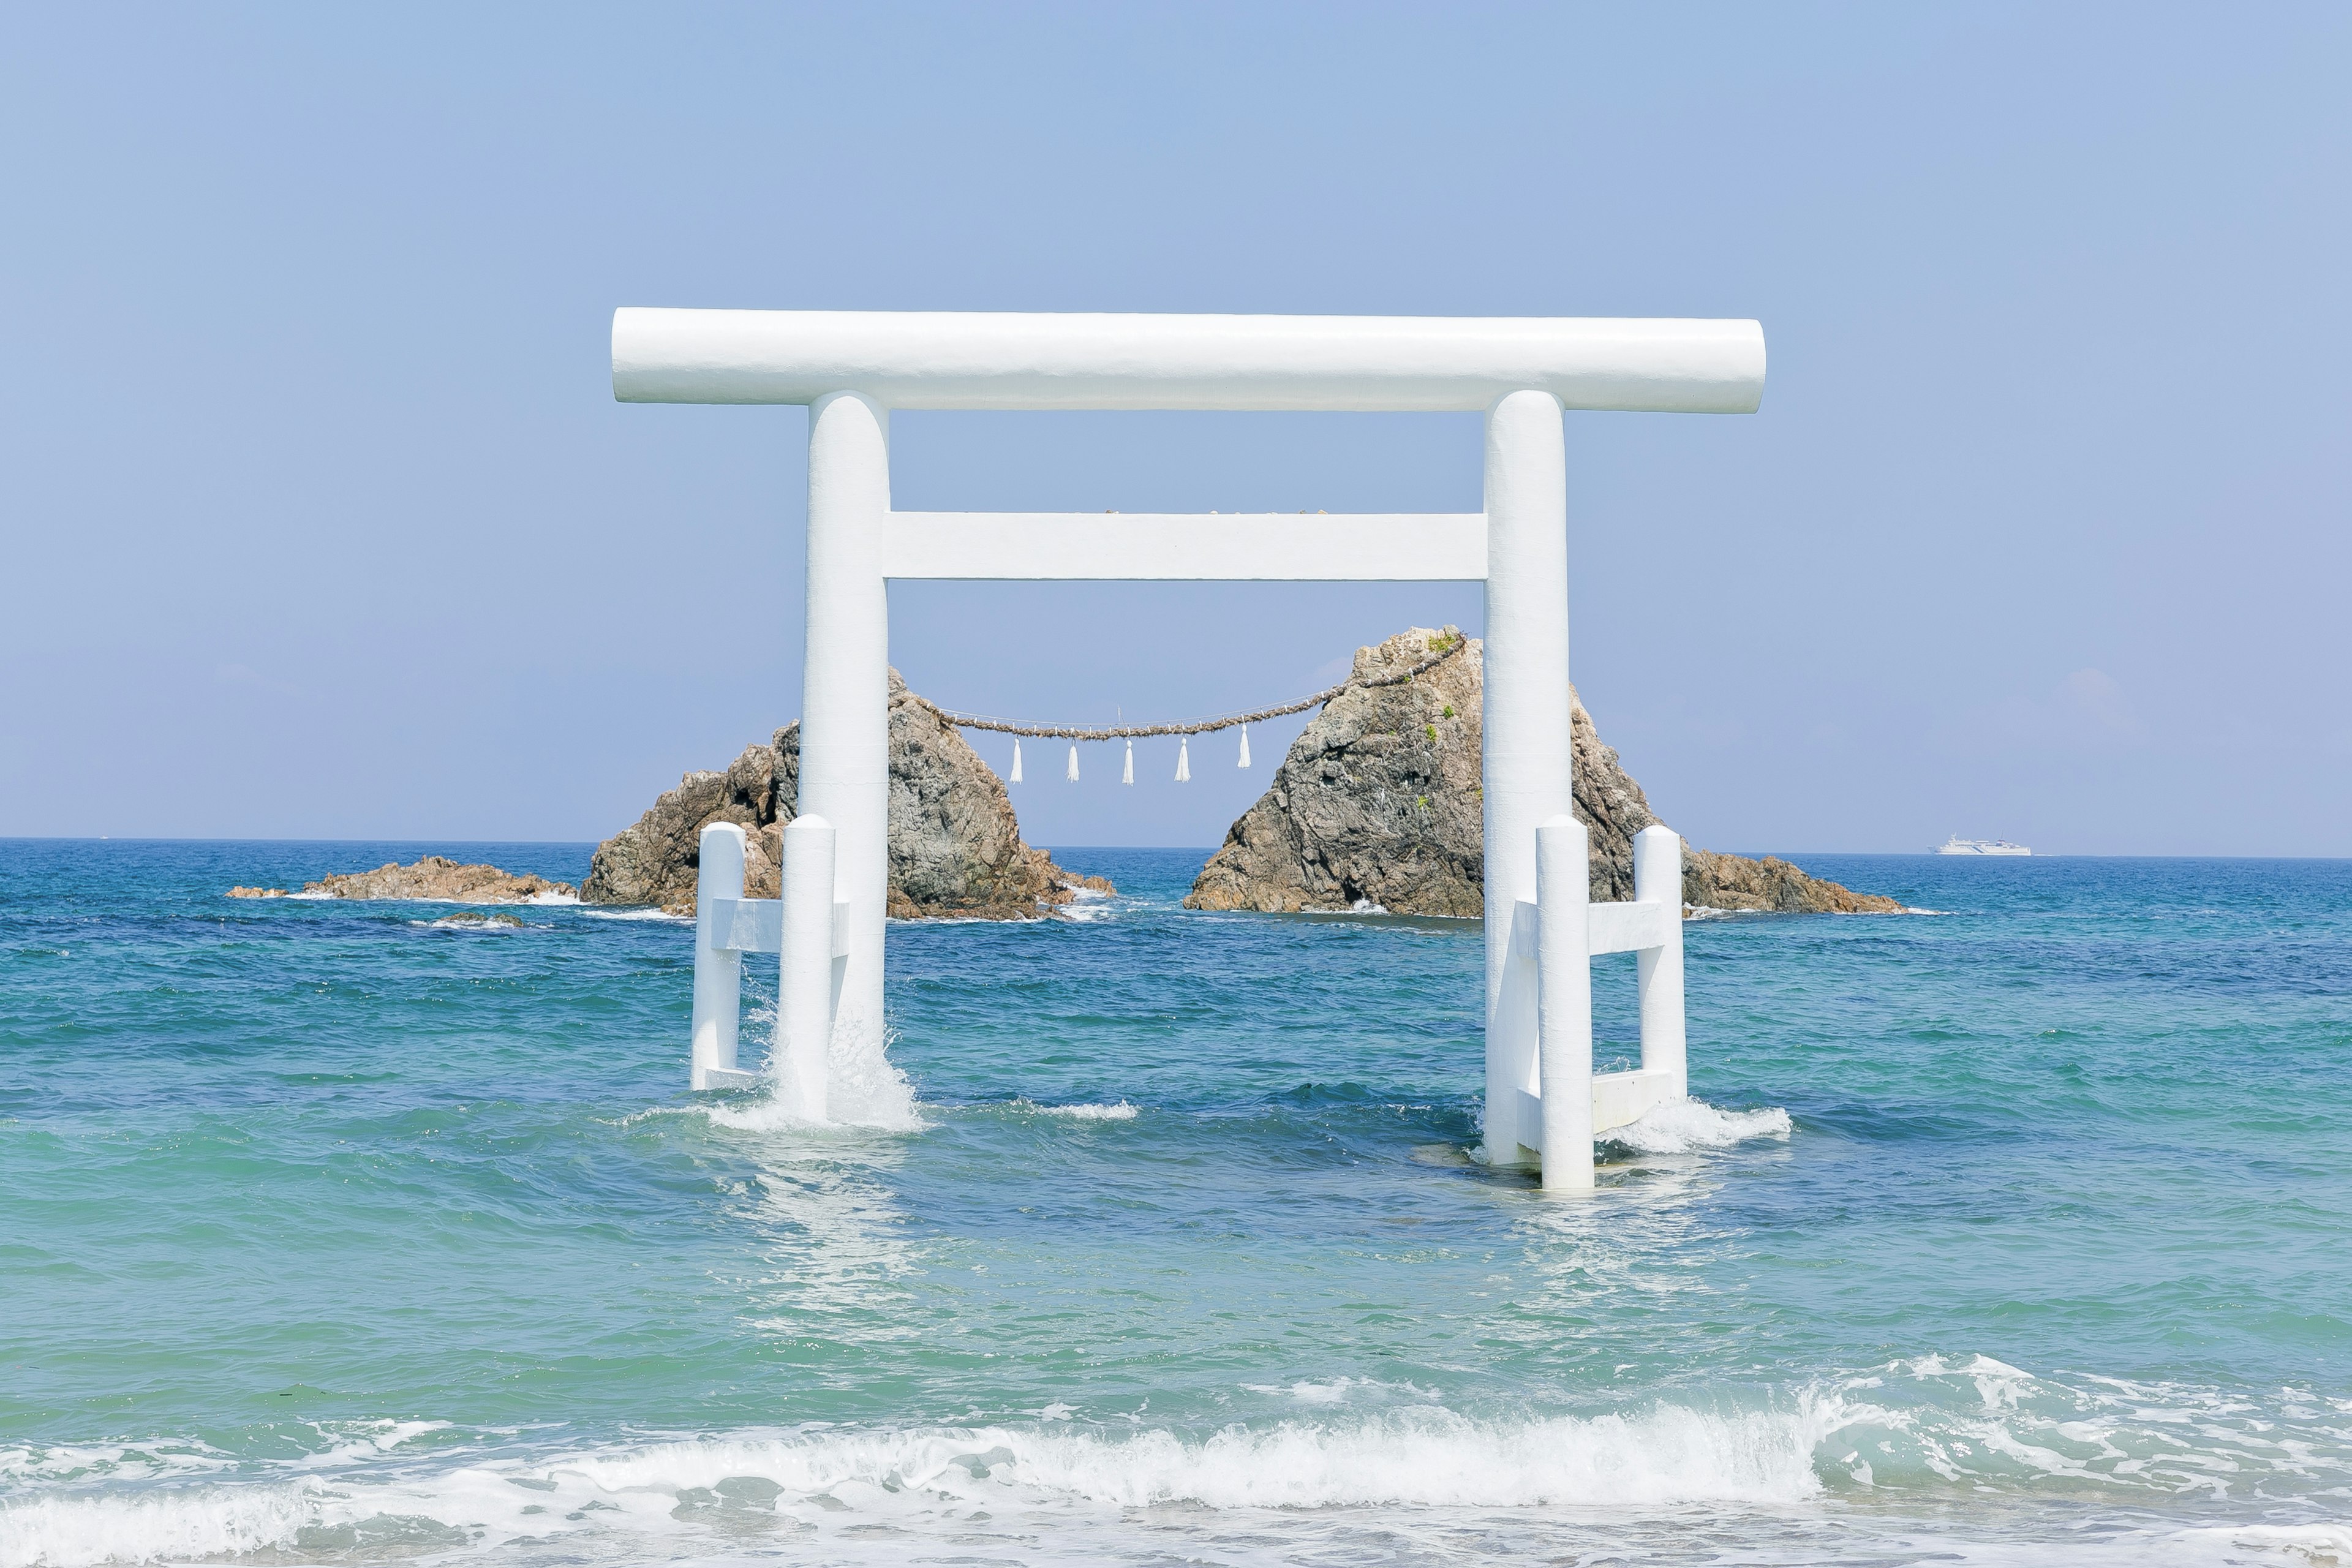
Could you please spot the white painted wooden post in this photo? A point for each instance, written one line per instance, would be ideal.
(718, 971)
(1525, 765)
(1564, 982)
(845, 693)
(1658, 880)
(804, 993)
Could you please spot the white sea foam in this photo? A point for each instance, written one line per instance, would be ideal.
(494, 922)
(1086, 904)
(863, 1091)
(637, 915)
(1339, 1390)
(1682, 1126)
(933, 922)
(555, 900)
(1709, 912)
(1333, 1392)
(1120, 1112)
(110, 1461)
(1361, 1456)
(925, 1479)
(66, 1530)
(2321, 1546)
(1984, 1424)
(348, 1442)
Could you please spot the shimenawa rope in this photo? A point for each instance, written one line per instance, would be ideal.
(1193, 727)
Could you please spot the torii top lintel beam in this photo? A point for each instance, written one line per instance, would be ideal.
(939, 359)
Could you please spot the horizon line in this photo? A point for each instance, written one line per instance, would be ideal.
(1189, 848)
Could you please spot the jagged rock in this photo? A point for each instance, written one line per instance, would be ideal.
(434, 877)
(954, 844)
(1712, 880)
(1379, 803)
(256, 892)
(654, 861)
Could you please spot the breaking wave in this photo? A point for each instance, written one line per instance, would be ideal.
(863, 1089)
(1088, 905)
(492, 922)
(1923, 1431)
(936, 1476)
(1684, 1126)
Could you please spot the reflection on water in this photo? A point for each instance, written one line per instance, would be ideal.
(830, 1240)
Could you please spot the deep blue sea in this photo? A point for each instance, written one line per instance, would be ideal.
(2018, 1232)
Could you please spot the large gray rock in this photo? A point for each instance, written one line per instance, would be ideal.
(1376, 802)
(955, 845)
(1379, 803)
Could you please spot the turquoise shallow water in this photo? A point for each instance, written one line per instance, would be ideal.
(2020, 1232)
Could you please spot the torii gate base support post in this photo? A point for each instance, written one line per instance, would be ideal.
(1553, 944)
(806, 928)
(717, 965)
(1564, 1001)
(1658, 880)
(805, 969)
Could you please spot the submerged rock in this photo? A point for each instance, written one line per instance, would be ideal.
(954, 844)
(435, 876)
(1379, 803)
(257, 894)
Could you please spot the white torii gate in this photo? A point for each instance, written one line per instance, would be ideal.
(851, 368)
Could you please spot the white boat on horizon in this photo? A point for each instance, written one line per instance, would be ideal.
(1956, 845)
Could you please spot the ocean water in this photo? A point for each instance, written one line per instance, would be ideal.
(2016, 1233)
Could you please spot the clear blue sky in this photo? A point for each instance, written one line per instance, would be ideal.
(316, 518)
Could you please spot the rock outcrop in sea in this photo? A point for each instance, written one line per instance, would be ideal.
(435, 877)
(1379, 804)
(955, 845)
(1735, 882)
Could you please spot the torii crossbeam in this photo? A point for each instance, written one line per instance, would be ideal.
(851, 368)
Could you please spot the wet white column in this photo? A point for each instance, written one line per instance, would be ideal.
(1658, 880)
(1564, 1006)
(804, 968)
(718, 972)
(1526, 728)
(845, 693)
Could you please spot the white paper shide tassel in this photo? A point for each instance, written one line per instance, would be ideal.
(1016, 759)
(1128, 776)
(1074, 761)
(1183, 762)
(1244, 762)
